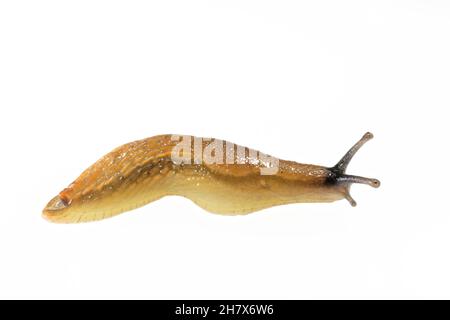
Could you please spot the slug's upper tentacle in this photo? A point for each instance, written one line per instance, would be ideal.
(342, 165)
(345, 178)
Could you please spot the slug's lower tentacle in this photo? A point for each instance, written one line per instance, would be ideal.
(349, 198)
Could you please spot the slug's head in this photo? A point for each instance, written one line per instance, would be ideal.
(338, 178)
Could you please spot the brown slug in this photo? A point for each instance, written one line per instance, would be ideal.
(218, 176)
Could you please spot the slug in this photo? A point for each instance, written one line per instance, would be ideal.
(218, 176)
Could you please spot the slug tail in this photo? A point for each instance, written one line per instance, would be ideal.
(347, 180)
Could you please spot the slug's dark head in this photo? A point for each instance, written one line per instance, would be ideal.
(338, 178)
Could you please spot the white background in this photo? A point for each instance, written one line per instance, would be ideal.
(299, 80)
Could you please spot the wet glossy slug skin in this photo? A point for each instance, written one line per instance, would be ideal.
(142, 171)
